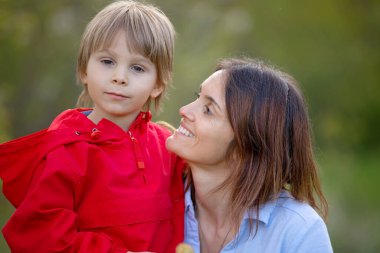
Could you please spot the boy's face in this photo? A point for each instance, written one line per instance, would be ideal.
(120, 82)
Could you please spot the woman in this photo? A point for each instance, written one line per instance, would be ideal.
(253, 184)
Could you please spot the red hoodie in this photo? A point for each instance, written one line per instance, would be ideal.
(81, 187)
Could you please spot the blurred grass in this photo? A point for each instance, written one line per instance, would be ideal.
(351, 183)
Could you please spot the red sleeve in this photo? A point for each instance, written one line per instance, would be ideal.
(177, 197)
(46, 221)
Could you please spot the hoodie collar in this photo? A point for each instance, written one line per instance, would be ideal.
(77, 121)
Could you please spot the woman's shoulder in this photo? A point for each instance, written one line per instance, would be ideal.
(286, 212)
(301, 223)
(287, 205)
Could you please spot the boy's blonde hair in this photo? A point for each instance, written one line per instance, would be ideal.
(148, 31)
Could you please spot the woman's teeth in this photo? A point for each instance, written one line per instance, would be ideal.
(184, 132)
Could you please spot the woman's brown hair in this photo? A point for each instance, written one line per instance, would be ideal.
(272, 147)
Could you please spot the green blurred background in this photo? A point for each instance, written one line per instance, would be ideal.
(331, 46)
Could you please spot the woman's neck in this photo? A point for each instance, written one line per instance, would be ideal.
(212, 208)
(206, 181)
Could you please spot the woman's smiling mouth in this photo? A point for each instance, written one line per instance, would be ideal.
(185, 132)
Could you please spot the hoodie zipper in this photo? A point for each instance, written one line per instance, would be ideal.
(138, 152)
(139, 157)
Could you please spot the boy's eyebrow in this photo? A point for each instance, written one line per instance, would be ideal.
(135, 56)
(105, 50)
(140, 57)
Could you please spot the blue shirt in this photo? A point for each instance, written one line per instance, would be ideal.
(285, 225)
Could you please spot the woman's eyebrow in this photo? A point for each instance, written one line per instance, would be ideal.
(213, 101)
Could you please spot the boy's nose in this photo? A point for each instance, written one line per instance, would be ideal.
(119, 77)
(119, 81)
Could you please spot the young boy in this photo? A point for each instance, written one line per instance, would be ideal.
(101, 180)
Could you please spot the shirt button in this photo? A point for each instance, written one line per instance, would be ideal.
(95, 134)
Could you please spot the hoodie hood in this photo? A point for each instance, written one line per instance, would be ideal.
(20, 158)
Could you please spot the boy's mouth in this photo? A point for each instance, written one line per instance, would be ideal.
(116, 95)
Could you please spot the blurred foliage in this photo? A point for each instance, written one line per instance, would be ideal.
(330, 46)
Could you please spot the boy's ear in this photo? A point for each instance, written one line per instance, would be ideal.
(156, 91)
(83, 78)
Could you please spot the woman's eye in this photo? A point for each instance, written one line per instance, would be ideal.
(137, 68)
(206, 110)
(107, 62)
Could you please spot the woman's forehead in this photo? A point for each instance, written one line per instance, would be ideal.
(215, 81)
(213, 88)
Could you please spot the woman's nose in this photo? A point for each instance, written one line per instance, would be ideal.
(187, 111)
(119, 76)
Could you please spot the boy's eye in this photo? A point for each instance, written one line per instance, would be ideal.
(137, 68)
(107, 62)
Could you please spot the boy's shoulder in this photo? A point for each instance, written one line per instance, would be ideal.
(49, 137)
(166, 125)
(161, 128)
(19, 158)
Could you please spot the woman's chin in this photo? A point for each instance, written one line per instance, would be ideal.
(175, 145)
(171, 143)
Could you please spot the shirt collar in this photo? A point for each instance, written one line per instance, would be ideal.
(189, 205)
(265, 210)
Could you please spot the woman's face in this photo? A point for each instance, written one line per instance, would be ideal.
(205, 132)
